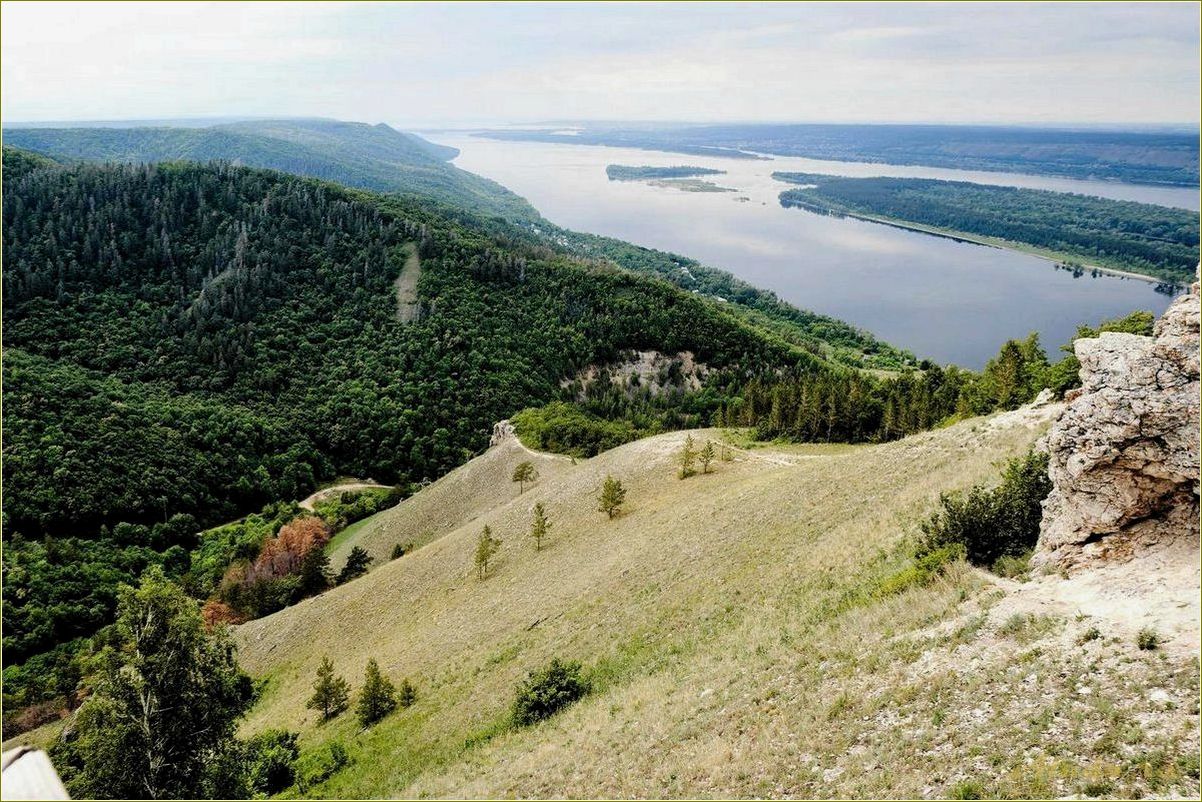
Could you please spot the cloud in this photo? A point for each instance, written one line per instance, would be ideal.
(445, 63)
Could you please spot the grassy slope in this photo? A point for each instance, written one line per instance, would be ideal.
(456, 499)
(736, 641)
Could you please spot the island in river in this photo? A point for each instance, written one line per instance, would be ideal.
(626, 172)
(1139, 238)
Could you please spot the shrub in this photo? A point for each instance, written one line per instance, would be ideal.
(1148, 639)
(990, 524)
(548, 690)
(928, 564)
(566, 429)
(1013, 566)
(967, 789)
(319, 766)
(1091, 634)
(270, 759)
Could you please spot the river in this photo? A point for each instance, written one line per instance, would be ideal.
(951, 301)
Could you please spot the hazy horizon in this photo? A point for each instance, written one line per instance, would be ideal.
(449, 65)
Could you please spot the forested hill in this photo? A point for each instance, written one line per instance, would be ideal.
(185, 343)
(217, 289)
(382, 159)
(374, 157)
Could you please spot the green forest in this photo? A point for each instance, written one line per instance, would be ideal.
(186, 344)
(382, 159)
(1154, 240)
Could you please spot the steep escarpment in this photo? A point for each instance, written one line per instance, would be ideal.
(1124, 455)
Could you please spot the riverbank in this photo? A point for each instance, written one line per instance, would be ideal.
(1056, 257)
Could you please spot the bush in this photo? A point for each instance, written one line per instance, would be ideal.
(991, 524)
(928, 564)
(1013, 566)
(547, 691)
(270, 759)
(319, 766)
(1148, 639)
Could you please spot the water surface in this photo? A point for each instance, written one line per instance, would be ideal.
(950, 301)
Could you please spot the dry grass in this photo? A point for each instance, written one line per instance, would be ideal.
(456, 499)
(739, 643)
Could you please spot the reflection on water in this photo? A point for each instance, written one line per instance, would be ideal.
(951, 301)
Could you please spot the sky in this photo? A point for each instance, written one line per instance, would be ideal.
(432, 65)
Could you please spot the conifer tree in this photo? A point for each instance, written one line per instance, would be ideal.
(407, 694)
(486, 548)
(378, 697)
(330, 692)
(356, 565)
(613, 495)
(687, 458)
(707, 456)
(523, 473)
(540, 527)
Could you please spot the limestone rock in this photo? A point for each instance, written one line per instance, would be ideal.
(501, 431)
(1123, 456)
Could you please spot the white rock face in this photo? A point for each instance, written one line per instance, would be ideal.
(1124, 453)
(501, 431)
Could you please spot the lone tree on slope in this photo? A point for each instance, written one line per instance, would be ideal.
(707, 456)
(524, 472)
(486, 548)
(613, 495)
(540, 527)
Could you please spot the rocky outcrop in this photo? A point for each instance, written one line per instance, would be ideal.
(501, 431)
(1123, 457)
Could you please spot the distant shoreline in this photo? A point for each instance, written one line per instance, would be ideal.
(990, 242)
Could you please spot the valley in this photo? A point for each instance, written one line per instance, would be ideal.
(600, 401)
(945, 300)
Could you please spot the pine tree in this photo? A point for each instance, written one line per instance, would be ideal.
(378, 697)
(407, 694)
(613, 495)
(523, 473)
(540, 527)
(330, 693)
(314, 572)
(687, 458)
(707, 456)
(356, 565)
(486, 547)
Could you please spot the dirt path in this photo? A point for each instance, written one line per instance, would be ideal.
(407, 307)
(327, 492)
